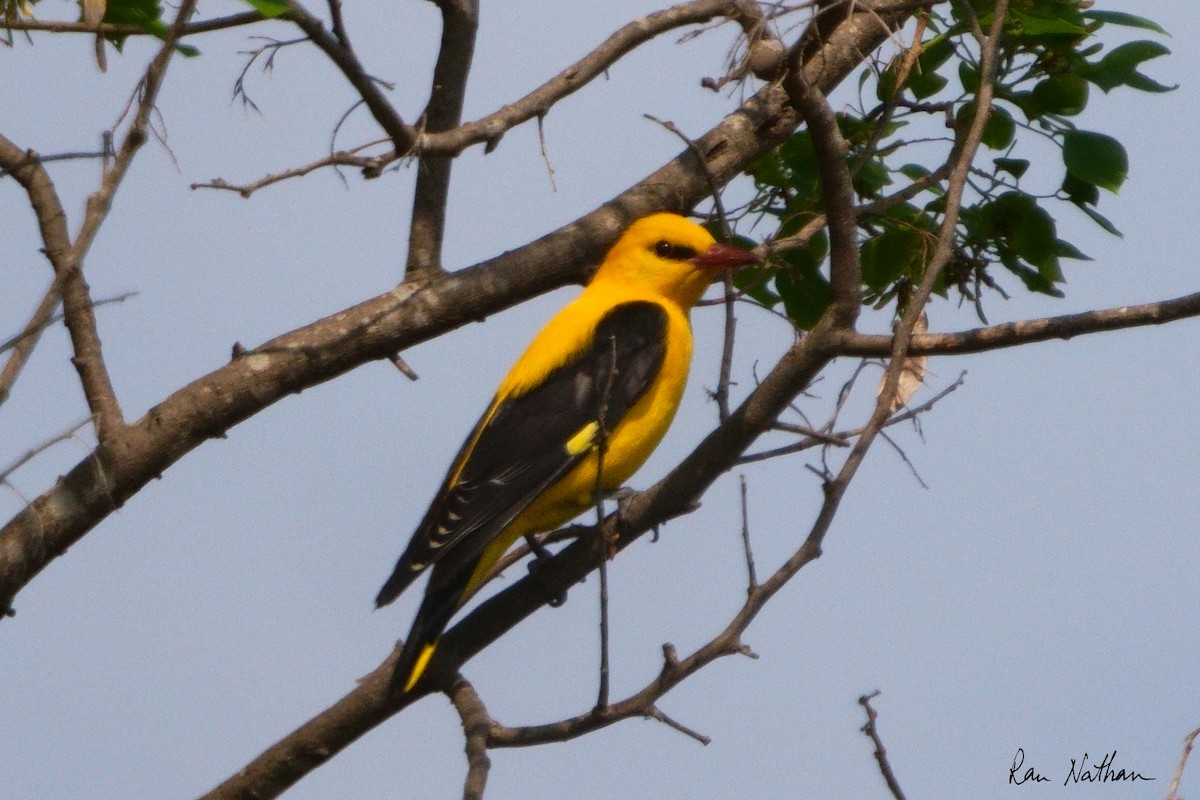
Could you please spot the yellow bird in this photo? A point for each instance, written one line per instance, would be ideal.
(606, 373)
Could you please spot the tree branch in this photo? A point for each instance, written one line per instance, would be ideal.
(872, 733)
(460, 20)
(476, 723)
(23, 343)
(78, 310)
(371, 166)
(109, 29)
(396, 320)
(1188, 742)
(837, 189)
(403, 136)
(961, 157)
(1013, 334)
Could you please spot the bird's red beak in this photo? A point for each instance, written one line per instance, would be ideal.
(725, 256)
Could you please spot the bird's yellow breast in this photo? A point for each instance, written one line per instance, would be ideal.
(632, 439)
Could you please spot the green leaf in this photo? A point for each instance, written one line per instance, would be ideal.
(1065, 94)
(999, 130)
(754, 283)
(1013, 166)
(1102, 221)
(926, 85)
(268, 8)
(968, 76)
(1065, 249)
(1080, 191)
(1031, 229)
(1096, 158)
(145, 14)
(1128, 20)
(1014, 221)
(1132, 54)
(804, 290)
(885, 89)
(871, 178)
(914, 172)
(1033, 24)
(1119, 67)
(1144, 83)
(897, 252)
(934, 53)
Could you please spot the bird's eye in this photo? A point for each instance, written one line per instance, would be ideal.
(675, 252)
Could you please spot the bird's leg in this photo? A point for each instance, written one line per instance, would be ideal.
(540, 556)
(622, 497)
(625, 495)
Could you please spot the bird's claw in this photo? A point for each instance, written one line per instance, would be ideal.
(540, 556)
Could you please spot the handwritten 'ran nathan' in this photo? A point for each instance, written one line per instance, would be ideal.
(1080, 771)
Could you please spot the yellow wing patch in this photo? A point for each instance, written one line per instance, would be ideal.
(582, 441)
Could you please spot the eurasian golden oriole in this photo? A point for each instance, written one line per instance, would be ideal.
(598, 385)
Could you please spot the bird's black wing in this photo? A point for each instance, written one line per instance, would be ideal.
(524, 444)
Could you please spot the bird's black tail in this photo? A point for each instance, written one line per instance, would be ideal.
(436, 610)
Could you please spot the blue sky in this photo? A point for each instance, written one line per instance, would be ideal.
(1040, 594)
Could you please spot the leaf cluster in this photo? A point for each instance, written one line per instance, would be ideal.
(919, 103)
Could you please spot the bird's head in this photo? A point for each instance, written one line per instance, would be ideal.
(669, 256)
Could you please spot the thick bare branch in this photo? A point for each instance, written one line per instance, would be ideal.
(78, 309)
(396, 320)
(837, 190)
(1013, 334)
(109, 29)
(460, 20)
(476, 722)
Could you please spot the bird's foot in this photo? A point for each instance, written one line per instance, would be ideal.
(540, 556)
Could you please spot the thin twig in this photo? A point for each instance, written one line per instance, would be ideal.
(721, 394)
(23, 343)
(541, 119)
(34, 452)
(32, 157)
(399, 363)
(813, 438)
(370, 165)
(602, 434)
(837, 188)
(489, 129)
(903, 457)
(1189, 740)
(885, 768)
(404, 137)
(752, 575)
(655, 713)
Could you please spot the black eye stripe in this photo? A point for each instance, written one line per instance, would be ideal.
(675, 252)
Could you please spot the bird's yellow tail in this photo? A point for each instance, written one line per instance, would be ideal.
(417, 669)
